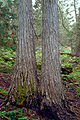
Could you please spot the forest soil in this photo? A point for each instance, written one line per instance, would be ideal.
(73, 98)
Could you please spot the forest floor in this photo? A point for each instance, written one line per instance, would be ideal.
(10, 112)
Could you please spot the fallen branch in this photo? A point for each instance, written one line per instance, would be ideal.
(68, 54)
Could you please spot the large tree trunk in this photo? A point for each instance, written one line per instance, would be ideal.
(50, 48)
(25, 76)
(51, 82)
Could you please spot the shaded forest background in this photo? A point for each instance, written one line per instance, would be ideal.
(69, 38)
(69, 30)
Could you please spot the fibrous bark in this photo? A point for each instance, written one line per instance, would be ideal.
(51, 81)
(51, 86)
(25, 79)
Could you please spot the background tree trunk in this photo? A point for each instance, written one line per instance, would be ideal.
(76, 41)
(25, 76)
(78, 36)
(51, 85)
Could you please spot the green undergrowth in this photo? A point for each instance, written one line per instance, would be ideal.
(7, 56)
(77, 88)
(65, 49)
(38, 58)
(7, 59)
(1, 91)
(72, 62)
(66, 60)
(12, 112)
(17, 114)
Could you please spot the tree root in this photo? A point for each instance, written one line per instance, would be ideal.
(6, 98)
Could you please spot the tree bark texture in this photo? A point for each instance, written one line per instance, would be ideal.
(51, 86)
(51, 81)
(25, 75)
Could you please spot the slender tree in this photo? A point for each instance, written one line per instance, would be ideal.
(78, 36)
(51, 85)
(76, 40)
(25, 80)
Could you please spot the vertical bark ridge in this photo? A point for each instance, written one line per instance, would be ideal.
(50, 58)
(51, 85)
(25, 78)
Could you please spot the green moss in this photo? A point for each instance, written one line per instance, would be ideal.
(21, 92)
(20, 96)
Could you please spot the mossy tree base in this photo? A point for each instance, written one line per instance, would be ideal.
(23, 89)
(24, 85)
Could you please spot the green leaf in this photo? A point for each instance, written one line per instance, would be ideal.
(23, 118)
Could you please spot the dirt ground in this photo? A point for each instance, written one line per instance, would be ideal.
(73, 98)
